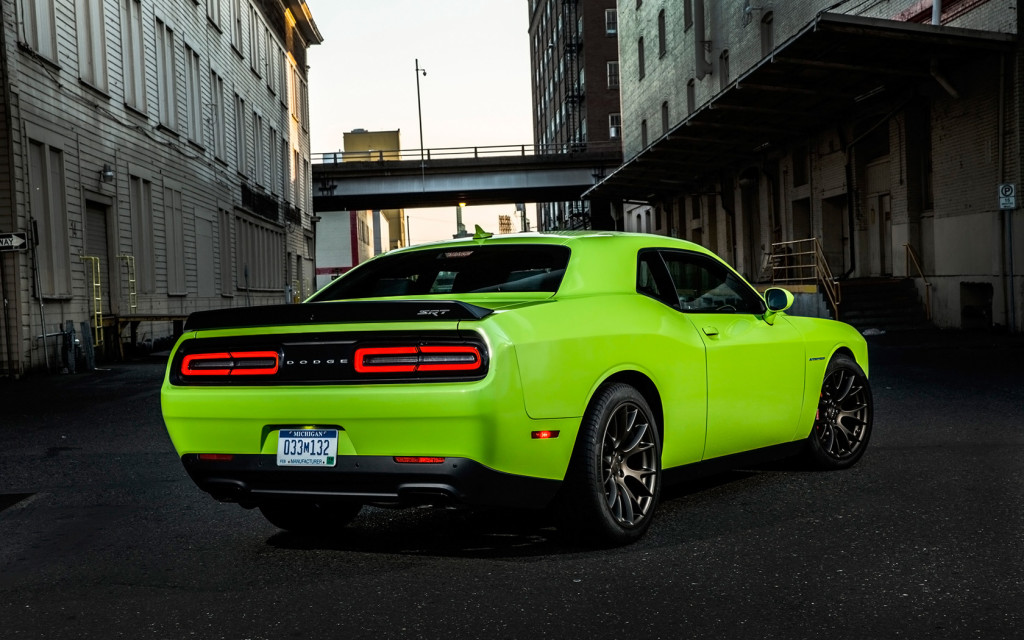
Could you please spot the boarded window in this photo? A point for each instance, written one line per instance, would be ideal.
(48, 206)
(174, 230)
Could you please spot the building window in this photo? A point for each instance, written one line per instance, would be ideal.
(611, 22)
(219, 115)
(613, 74)
(723, 69)
(235, 6)
(133, 56)
(259, 150)
(691, 96)
(614, 126)
(286, 170)
(767, 34)
(688, 13)
(214, 13)
(273, 161)
(643, 133)
(664, 117)
(37, 27)
(273, 64)
(48, 206)
(174, 232)
(193, 95)
(167, 86)
(140, 195)
(241, 142)
(662, 45)
(259, 262)
(92, 43)
(227, 284)
(255, 43)
(640, 56)
(296, 185)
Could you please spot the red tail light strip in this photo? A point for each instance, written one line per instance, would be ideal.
(240, 363)
(417, 359)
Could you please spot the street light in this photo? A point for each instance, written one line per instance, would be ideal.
(419, 111)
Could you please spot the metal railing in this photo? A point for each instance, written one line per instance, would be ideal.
(803, 262)
(911, 257)
(515, 150)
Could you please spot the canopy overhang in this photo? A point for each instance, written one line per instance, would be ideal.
(837, 69)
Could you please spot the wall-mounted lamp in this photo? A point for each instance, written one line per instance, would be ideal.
(107, 174)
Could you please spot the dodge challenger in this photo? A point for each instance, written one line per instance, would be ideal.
(579, 371)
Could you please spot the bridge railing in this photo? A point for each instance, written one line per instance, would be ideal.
(394, 155)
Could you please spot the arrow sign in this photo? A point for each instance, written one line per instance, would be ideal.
(13, 241)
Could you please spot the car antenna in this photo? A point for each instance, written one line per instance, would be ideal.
(481, 234)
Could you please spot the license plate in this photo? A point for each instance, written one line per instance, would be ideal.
(307, 447)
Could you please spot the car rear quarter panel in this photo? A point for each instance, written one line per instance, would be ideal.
(567, 348)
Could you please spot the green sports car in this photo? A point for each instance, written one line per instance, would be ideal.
(579, 371)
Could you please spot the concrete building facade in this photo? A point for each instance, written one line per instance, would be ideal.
(575, 72)
(156, 154)
(888, 132)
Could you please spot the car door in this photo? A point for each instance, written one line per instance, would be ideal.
(755, 370)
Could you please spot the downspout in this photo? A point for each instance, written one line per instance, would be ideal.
(9, 128)
(701, 65)
(937, 12)
(1009, 297)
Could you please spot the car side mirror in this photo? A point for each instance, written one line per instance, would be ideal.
(777, 300)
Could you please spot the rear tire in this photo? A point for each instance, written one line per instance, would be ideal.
(614, 477)
(310, 517)
(842, 423)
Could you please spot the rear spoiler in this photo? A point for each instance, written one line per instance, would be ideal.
(331, 312)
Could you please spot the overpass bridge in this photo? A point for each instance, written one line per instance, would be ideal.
(406, 179)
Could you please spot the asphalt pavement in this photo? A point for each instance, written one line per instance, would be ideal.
(105, 536)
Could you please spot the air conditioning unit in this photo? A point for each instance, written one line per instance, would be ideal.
(613, 133)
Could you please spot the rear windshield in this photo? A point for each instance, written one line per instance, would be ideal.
(452, 270)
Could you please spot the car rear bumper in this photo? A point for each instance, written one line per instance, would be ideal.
(253, 478)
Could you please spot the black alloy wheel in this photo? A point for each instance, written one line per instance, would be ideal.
(842, 423)
(614, 477)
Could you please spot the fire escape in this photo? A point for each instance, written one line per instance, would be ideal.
(577, 215)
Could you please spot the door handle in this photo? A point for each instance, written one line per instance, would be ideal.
(710, 331)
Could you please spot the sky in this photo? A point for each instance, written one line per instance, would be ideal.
(476, 91)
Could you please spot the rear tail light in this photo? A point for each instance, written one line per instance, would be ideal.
(416, 359)
(235, 363)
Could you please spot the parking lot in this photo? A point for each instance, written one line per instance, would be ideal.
(105, 536)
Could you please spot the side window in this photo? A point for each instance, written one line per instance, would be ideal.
(705, 285)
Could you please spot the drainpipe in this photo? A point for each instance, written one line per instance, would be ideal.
(937, 12)
(701, 66)
(1009, 296)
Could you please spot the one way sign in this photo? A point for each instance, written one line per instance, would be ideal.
(13, 241)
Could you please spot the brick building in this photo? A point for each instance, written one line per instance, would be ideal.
(879, 132)
(158, 152)
(575, 67)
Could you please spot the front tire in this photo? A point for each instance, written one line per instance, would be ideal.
(842, 424)
(614, 477)
(310, 517)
